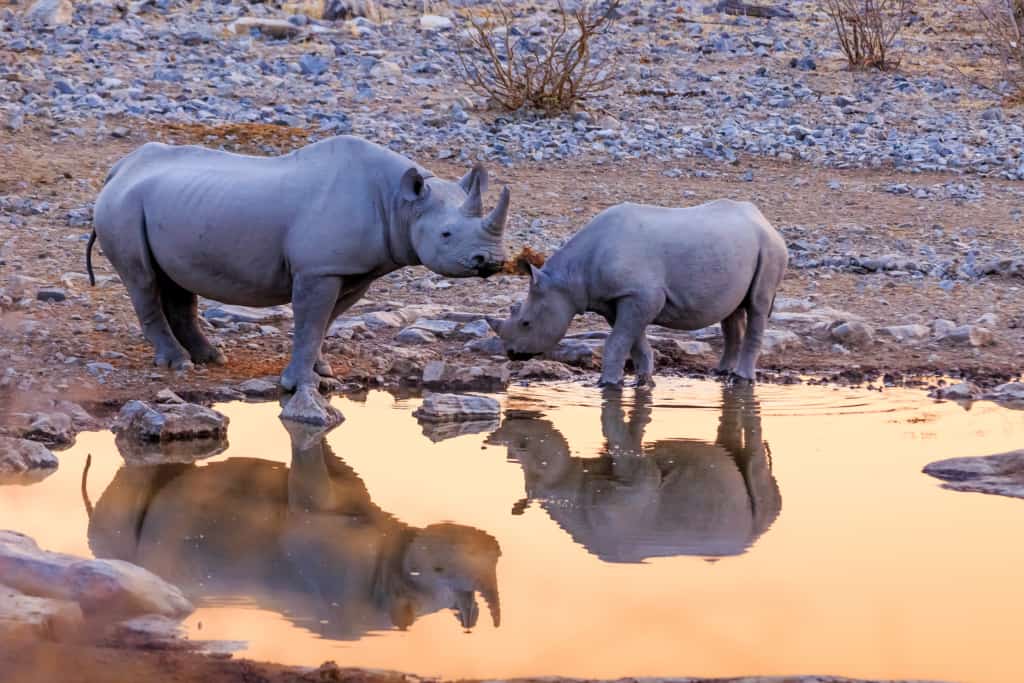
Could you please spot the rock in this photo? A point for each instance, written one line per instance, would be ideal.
(853, 334)
(37, 618)
(272, 28)
(51, 429)
(905, 333)
(543, 369)
(779, 341)
(259, 388)
(1001, 475)
(477, 329)
(50, 13)
(579, 352)
(441, 328)
(308, 407)
(962, 391)
(381, 320)
(440, 375)
(489, 346)
(434, 22)
(441, 431)
(99, 587)
(81, 420)
(24, 462)
(384, 69)
(940, 327)
(414, 335)
(457, 408)
(247, 314)
(1012, 392)
(350, 9)
(313, 65)
(168, 396)
(746, 9)
(51, 294)
(169, 422)
(971, 335)
(679, 349)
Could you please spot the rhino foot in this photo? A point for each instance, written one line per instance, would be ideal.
(174, 361)
(307, 406)
(209, 356)
(644, 382)
(609, 385)
(735, 379)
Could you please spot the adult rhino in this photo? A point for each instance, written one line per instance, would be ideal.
(305, 541)
(636, 501)
(314, 227)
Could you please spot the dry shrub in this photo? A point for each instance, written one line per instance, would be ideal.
(520, 264)
(551, 75)
(867, 29)
(1004, 24)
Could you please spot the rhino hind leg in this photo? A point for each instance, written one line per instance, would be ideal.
(155, 326)
(181, 308)
(732, 331)
(643, 361)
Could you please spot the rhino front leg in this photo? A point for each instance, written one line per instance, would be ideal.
(746, 368)
(643, 361)
(632, 316)
(345, 302)
(313, 300)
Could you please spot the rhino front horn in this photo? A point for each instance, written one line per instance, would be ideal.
(495, 221)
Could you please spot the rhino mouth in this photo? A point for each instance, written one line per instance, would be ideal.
(519, 355)
(487, 270)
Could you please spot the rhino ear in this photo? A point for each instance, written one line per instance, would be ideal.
(495, 323)
(477, 174)
(537, 277)
(413, 186)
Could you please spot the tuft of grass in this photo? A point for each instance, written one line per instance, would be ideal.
(867, 30)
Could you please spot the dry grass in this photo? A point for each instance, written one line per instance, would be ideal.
(521, 262)
(867, 30)
(553, 74)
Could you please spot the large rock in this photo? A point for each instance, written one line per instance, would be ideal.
(24, 462)
(997, 474)
(169, 422)
(779, 341)
(52, 429)
(969, 335)
(50, 13)
(100, 587)
(308, 407)
(543, 370)
(442, 376)
(248, 314)
(457, 408)
(37, 618)
(1011, 392)
(853, 334)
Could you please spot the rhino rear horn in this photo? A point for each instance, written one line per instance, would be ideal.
(495, 221)
(474, 184)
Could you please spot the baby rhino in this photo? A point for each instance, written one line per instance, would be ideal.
(680, 268)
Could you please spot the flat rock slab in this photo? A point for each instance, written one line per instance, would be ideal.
(1002, 475)
(25, 462)
(248, 314)
(39, 618)
(98, 587)
(308, 407)
(169, 422)
(457, 408)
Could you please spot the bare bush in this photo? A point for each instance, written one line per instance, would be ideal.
(552, 74)
(1004, 24)
(867, 29)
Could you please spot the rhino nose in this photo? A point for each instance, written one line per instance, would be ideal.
(479, 260)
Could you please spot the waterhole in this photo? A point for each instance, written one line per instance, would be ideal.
(695, 530)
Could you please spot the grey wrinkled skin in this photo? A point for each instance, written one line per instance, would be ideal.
(303, 539)
(314, 227)
(636, 501)
(639, 265)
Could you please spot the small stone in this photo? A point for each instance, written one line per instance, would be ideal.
(414, 335)
(457, 407)
(853, 334)
(905, 333)
(51, 294)
(308, 407)
(434, 22)
(272, 28)
(259, 388)
(50, 12)
(23, 461)
(962, 391)
(384, 69)
(543, 370)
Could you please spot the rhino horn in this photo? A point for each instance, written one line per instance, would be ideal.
(474, 184)
(495, 221)
(489, 592)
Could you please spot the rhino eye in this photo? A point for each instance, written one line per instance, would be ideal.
(526, 323)
(446, 234)
(439, 570)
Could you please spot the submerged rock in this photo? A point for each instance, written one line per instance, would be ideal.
(457, 408)
(307, 406)
(964, 391)
(441, 431)
(24, 462)
(1001, 475)
(169, 422)
(1011, 392)
(99, 587)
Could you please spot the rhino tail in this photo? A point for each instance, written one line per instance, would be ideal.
(85, 488)
(88, 257)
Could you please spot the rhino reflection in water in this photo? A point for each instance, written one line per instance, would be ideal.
(304, 540)
(672, 497)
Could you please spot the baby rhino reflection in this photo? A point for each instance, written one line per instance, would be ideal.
(304, 540)
(673, 497)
